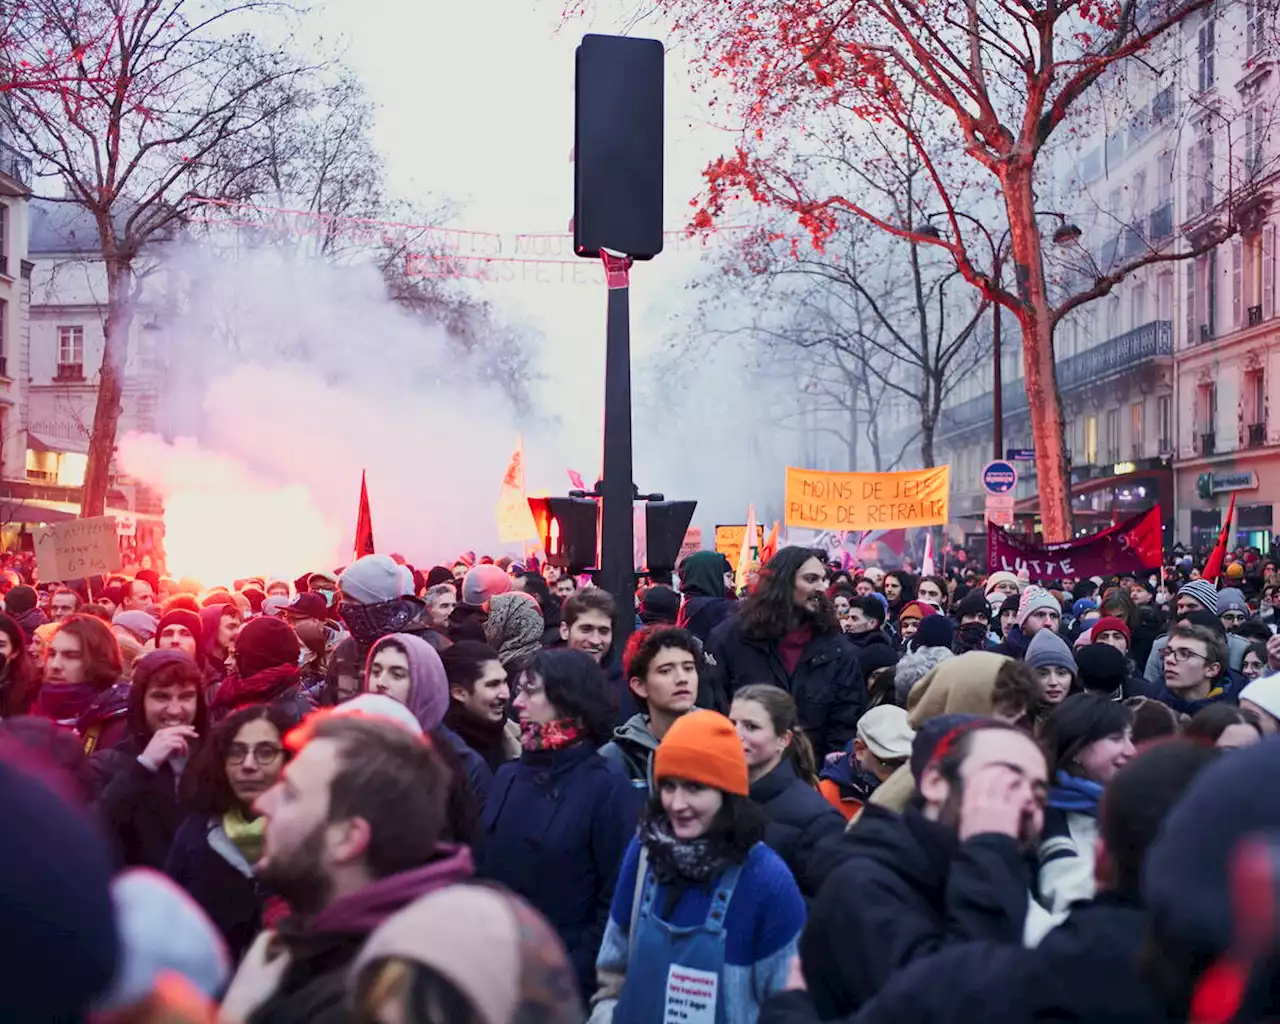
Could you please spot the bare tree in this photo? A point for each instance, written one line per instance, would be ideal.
(980, 92)
(165, 107)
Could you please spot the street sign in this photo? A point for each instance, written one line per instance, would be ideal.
(999, 477)
(1000, 516)
(1001, 501)
(1021, 454)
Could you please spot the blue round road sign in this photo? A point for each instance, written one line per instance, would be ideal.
(999, 477)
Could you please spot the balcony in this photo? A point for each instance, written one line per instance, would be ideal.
(1160, 223)
(1257, 435)
(15, 165)
(1206, 444)
(69, 372)
(4, 367)
(1206, 334)
(1255, 316)
(1116, 356)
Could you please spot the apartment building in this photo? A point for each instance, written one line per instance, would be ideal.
(15, 192)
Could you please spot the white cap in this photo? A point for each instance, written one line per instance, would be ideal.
(885, 731)
(1265, 693)
(379, 705)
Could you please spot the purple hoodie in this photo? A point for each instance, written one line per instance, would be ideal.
(428, 697)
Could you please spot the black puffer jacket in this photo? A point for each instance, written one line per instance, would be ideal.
(827, 685)
(906, 889)
(799, 819)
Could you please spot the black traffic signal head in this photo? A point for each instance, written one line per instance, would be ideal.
(665, 524)
(568, 530)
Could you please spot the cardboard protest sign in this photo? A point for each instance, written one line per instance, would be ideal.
(729, 540)
(867, 501)
(77, 548)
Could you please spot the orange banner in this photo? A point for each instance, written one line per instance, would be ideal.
(818, 500)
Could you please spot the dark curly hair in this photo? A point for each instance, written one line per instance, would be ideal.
(578, 688)
(204, 786)
(736, 828)
(20, 678)
(769, 612)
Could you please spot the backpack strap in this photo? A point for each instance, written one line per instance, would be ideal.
(642, 869)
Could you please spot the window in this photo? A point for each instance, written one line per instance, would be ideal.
(4, 238)
(1204, 52)
(1255, 134)
(1164, 296)
(1189, 304)
(1200, 172)
(1112, 423)
(1267, 271)
(1237, 282)
(1138, 305)
(1137, 430)
(1139, 195)
(4, 344)
(1256, 396)
(70, 349)
(1164, 179)
(1091, 440)
(1255, 27)
(1164, 423)
(1206, 413)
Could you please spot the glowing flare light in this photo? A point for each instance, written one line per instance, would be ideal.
(222, 522)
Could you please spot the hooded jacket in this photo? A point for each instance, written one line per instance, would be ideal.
(908, 889)
(632, 749)
(313, 986)
(703, 605)
(428, 700)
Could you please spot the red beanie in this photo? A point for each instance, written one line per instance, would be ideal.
(1112, 622)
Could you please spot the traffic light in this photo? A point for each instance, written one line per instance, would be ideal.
(665, 524)
(567, 527)
(618, 128)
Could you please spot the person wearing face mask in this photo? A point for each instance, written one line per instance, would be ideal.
(701, 900)
(375, 599)
(1088, 739)
(973, 614)
(136, 782)
(1049, 657)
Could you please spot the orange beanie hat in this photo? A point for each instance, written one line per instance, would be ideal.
(703, 747)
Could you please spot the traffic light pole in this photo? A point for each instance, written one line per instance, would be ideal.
(617, 491)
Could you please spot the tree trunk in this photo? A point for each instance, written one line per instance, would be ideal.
(1043, 400)
(106, 414)
(927, 425)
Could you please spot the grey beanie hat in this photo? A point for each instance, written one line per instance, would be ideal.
(1232, 600)
(376, 578)
(1048, 649)
(1202, 591)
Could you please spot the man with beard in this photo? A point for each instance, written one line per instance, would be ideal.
(787, 634)
(950, 869)
(352, 835)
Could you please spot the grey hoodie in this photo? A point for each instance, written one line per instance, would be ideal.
(631, 749)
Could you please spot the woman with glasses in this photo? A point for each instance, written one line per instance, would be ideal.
(558, 820)
(214, 852)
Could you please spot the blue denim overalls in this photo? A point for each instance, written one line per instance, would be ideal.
(653, 992)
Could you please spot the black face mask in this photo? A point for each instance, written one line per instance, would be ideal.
(973, 635)
(370, 622)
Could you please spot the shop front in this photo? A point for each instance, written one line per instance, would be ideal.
(1102, 496)
(1206, 498)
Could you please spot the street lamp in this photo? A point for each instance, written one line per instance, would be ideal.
(1066, 233)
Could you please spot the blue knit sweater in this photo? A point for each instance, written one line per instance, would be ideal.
(762, 926)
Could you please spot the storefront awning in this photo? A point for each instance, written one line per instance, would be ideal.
(41, 443)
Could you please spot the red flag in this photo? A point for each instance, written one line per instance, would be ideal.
(1213, 567)
(770, 545)
(364, 522)
(575, 478)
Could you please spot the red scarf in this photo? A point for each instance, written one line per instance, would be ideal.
(554, 735)
(791, 647)
(260, 688)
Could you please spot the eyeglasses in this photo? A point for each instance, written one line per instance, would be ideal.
(1183, 654)
(263, 753)
(1233, 617)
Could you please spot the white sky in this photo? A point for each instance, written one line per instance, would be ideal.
(476, 105)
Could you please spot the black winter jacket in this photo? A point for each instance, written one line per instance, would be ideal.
(205, 863)
(827, 685)
(799, 819)
(1082, 972)
(906, 890)
(139, 807)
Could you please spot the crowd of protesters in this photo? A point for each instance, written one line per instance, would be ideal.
(383, 794)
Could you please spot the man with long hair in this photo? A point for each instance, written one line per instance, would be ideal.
(787, 634)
